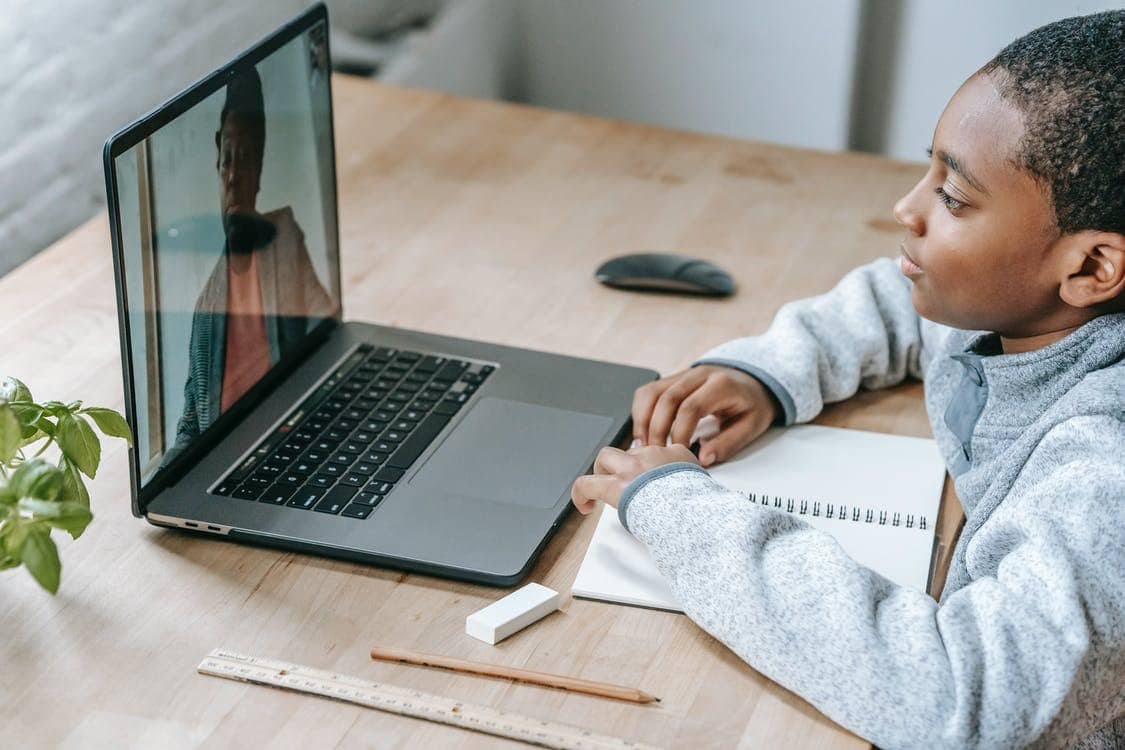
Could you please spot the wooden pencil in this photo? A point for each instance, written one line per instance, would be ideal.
(563, 682)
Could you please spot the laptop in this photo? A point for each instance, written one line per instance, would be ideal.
(259, 414)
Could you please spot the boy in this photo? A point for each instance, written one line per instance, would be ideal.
(1007, 300)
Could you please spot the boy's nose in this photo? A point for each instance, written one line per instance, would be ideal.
(907, 215)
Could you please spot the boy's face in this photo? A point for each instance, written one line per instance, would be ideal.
(979, 229)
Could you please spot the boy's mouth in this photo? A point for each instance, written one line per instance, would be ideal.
(907, 264)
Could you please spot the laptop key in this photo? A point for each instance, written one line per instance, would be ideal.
(338, 496)
(276, 495)
(429, 364)
(351, 479)
(328, 506)
(388, 474)
(356, 511)
(393, 436)
(304, 468)
(380, 488)
(383, 415)
(448, 408)
(332, 470)
(224, 489)
(364, 468)
(291, 480)
(362, 436)
(366, 497)
(450, 371)
(305, 498)
(403, 426)
(248, 492)
(375, 457)
(418, 441)
(382, 354)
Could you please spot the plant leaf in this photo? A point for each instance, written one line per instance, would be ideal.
(56, 408)
(110, 422)
(37, 479)
(79, 443)
(41, 557)
(70, 517)
(15, 531)
(73, 488)
(11, 433)
(29, 416)
(14, 390)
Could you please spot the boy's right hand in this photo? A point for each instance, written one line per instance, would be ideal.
(672, 407)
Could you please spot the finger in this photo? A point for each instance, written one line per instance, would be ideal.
(588, 489)
(610, 460)
(667, 406)
(696, 406)
(644, 398)
(731, 438)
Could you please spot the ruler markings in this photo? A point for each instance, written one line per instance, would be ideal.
(407, 702)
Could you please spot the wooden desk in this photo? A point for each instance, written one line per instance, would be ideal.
(472, 219)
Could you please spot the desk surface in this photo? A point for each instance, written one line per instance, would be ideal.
(466, 218)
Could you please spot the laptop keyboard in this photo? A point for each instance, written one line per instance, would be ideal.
(342, 450)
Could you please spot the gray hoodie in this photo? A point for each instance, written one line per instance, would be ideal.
(1027, 643)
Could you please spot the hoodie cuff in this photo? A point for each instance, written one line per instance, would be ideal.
(639, 483)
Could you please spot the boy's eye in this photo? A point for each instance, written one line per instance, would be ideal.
(950, 202)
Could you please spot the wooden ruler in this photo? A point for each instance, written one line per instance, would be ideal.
(400, 700)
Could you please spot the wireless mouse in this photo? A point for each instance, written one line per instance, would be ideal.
(665, 272)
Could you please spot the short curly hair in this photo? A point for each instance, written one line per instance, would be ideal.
(1068, 80)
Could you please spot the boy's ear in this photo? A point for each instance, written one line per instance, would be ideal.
(1094, 269)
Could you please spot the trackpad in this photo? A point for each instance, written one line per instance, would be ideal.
(512, 452)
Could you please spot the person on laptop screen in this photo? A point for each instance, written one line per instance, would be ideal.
(263, 295)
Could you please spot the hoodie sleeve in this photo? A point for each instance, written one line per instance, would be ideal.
(988, 667)
(863, 333)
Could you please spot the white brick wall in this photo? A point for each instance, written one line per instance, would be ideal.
(74, 71)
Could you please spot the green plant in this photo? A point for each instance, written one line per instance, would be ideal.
(37, 495)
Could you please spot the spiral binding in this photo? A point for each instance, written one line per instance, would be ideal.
(839, 511)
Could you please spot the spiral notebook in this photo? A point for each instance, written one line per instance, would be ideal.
(878, 495)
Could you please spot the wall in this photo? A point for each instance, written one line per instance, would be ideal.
(761, 69)
(915, 54)
(74, 72)
(865, 74)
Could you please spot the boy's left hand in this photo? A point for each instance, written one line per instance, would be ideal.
(614, 469)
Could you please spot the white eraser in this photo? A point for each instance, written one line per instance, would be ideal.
(513, 613)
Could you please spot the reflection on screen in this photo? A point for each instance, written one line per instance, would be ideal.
(228, 234)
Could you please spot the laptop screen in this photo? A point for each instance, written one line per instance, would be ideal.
(227, 242)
